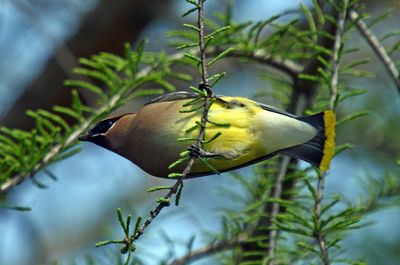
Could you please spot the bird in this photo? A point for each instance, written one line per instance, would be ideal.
(248, 132)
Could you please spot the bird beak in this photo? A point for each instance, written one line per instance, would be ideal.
(85, 137)
(98, 139)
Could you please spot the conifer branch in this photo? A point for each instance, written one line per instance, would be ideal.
(319, 235)
(204, 90)
(202, 48)
(277, 193)
(284, 65)
(377, 47)
(207, 102)
(337, 55)
(287, 66)
(69, 141)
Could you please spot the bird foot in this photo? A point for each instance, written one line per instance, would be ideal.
(196, 151)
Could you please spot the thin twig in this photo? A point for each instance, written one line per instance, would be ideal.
(275, 209)
(259, 55)
(208, 250)
(377, 46)
(200, 22)
(206, 106)
(336, 55)
(319, 235)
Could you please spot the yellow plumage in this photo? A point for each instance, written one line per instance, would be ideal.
(329, 145)
(241, 140)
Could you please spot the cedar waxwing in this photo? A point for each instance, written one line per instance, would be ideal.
(255, 132)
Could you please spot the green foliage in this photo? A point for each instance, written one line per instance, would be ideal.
(127, 243)
(301, 50)
(115, 80)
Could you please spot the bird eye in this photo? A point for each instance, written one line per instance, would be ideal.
(108, 124)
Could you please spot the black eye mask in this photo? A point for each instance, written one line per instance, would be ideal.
(102, 127)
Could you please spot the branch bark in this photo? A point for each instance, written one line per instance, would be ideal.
(377, 47)
(286, 66)
(207, 103)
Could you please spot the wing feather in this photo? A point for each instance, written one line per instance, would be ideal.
(180, 95)
(273, 109)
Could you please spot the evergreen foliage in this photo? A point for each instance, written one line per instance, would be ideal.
(282, 218)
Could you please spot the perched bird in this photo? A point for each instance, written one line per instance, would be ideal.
(253, 132)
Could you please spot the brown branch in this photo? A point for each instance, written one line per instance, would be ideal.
(336, 55)
(285, 65)
(319, 236)
(275, 208)
(209, 250)
(259, 55)
(200, 22)
(206, 106)
(377, 47)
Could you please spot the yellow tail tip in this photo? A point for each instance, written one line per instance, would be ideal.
(329, 145)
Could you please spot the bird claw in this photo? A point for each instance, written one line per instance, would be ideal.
(194, 151)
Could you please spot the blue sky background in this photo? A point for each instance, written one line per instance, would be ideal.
(93, 183)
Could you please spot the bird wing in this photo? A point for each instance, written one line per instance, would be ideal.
(273, 109)
(180, 95)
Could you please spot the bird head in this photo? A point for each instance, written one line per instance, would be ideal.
(109, 133)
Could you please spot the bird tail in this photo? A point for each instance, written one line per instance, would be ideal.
(319, 150)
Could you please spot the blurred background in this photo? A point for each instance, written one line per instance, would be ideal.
(40, 41)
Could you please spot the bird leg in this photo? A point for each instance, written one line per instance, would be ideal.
(196, 151)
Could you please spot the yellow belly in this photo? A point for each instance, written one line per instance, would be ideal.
(240, 141)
